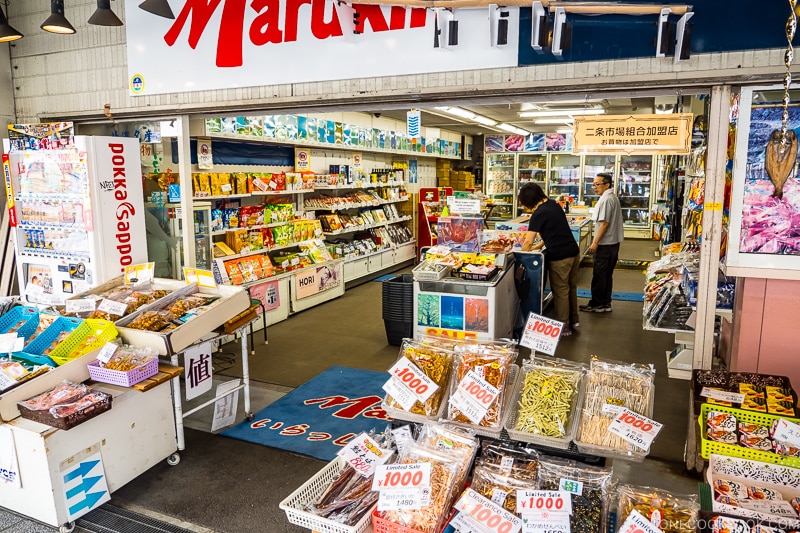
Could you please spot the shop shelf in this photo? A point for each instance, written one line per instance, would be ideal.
(294, 504)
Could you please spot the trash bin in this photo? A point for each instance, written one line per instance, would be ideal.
(398, 308)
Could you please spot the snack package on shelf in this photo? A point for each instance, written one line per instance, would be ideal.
(65, 392)
(611, 386)
(171, 315)
(45, 320)
(546, 404)
(127, 299)
(590, 489)
(436, 364)
(501, 471)
(130, 357)
(670, 513)
(480, 369)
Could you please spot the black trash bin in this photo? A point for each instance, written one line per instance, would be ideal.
(398, 308)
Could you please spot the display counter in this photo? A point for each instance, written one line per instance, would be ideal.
(460, 308)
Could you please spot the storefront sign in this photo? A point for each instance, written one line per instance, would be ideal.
(314, 281)
(199, 372)
(649, 134)
(541, 334)
(232, 43)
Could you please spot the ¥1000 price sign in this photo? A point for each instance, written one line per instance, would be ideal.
(541, 334)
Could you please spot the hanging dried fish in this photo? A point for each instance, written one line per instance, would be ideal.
(779, 159)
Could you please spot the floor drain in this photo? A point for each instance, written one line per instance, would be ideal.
(112, 519)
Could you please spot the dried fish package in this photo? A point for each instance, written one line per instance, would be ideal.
(450, 439)
(671, 513)
(500, 485)
(483, 364)
(436, 363)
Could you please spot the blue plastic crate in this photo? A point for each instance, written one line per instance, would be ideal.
(45, 338)
(17, 314)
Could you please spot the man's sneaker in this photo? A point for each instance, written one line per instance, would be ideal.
(606, 309)
(566, 332)
(575, 325)
(593, 308)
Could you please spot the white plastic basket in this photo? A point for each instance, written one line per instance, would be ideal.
(311, 490)
(421, 272)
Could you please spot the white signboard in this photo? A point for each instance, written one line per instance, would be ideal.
(199, 373)
(85, 486)
(225, 408)
(9, 469)
(245, 44)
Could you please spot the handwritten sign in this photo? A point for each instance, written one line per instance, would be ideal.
(364, 454)
(787, 432)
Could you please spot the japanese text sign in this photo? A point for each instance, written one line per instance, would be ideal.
(635, 428)
(651, 134)
(487, 515)
(364, 455)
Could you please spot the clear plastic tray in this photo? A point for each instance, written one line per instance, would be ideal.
(511, 383)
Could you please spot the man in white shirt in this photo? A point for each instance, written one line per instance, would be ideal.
(605, 245)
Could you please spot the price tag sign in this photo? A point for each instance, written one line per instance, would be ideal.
(112, 308)
(403, 499)
(226, 187)
(400, 394)
(463, 206)
(473, 397)
(295, 261)
(402, 477)
(722, 395)
(410, 376)
(107, 352)
(260, 184)
(637, 523)
(488, 516)
(541, 334)
(635, 428)
(774, 507)
(787, 432)
(33, 290)
(140, 273)
(11, 342)
(6, 381)
(538, 501)
(364, 454)
(203, 278)
(545, 522)
(81, 305)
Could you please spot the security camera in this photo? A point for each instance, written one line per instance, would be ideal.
(377, 115)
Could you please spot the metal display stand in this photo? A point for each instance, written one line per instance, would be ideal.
(176, 388)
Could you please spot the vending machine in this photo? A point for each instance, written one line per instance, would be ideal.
(75, 207)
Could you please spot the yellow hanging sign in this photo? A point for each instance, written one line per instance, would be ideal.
(628, 134)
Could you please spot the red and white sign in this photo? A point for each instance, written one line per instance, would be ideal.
(635, 428)
(407, 375)
(637, 523)
(402, 476)
(473, 396)
(220, 44)
(268, 294)
(787, 432)
(541, 334)
(538, 501)
(364, 455)
(487, 515)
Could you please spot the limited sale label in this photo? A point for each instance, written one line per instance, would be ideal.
(541, 334)
(473, 396)
(539, 501)
(635, 428)
(410, 376)
(637, 523)
(487, 515)
(364, 454)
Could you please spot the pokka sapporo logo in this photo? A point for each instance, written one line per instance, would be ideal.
(137, 84)
(275, 24)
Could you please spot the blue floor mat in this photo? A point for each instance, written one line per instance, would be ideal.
(622, 296)
(387, 277)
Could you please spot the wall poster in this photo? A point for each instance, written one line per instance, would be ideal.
(764, 239)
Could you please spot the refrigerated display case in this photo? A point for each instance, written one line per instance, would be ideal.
(168, 217)
(634, 191)
(565, 176)
(500, 176)
(592, 166)
(531, 168)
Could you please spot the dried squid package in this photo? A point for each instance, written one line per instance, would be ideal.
(500, 485)
(548, 397)
(452, 440)
(590, 489)
(671, 513)
(444, 485)
(433, 362)
(521, 461)
(479, 384)
(611, 386)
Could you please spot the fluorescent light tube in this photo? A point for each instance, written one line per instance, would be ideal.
(486, 121)
(457, 111)
(562, 112)
(512, 129)
(563, 120)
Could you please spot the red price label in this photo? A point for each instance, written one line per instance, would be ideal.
(478, 389)
(548, 330)
(412, 377)
(488, 515)
(402, 476)
(544, 500)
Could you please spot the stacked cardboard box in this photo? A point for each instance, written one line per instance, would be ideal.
(443, 173)
(462, 180)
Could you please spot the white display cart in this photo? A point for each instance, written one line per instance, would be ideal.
(134, 435)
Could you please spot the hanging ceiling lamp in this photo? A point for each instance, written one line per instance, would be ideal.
(103, 16)
(57, 22)
(158, 7)
(7, 33)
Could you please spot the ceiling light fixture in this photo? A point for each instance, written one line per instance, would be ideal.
(486, 121)
(7, 33)
(457, 111)
(513, 129)
(158, 7)
(57, 22)
(565, 130)
(562, 112)
(103, 16)
(562, 120)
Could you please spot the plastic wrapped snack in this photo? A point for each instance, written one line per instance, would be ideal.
(671, 513)
(85, 403)
(488, 364)
(127, 358)
(500, 485)
(151, 321)
(548, 395)
(447, 439)
(65, 392)
(45, 320)
(609, 387)
(590, 489)
(521, 461)
(435, 363)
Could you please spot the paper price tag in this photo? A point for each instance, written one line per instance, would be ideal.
(11, 342)
(273, 185)
(402, 477)
(635, 428)
(473, 396)
(463, 524)
(107, 352)
(722, 395)
(203, 278)
(637, 523)
(415, 379)
(81, 305)
(544, 522)
(260, 184)
(226, 187)
(400, 393)
(33, 290)
(787, 432)
(775, 507)
(113, 308)
(491, 518)
(140, 273)
(318, 232)
(541, 334)
(285, 263)
(408, 499)
(6, 381)
(364, 454)
(295, 261)
(550, 501)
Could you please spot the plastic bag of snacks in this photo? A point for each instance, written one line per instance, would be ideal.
(500, 484)
(671, 513)
(449, 438)
(609, 387)
(127, 358)
(522, 461)
(590, 488)
(435, 363)
(482, 364)
(548, 396)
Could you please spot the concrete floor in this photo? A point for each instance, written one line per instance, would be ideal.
(231, 486)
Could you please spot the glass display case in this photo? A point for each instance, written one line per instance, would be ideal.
(592, 166)
(634, 191)
(531, 168)
(565, 176)
(500, 177)
(165, 238)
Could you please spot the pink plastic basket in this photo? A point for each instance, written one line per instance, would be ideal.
(119, 377)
